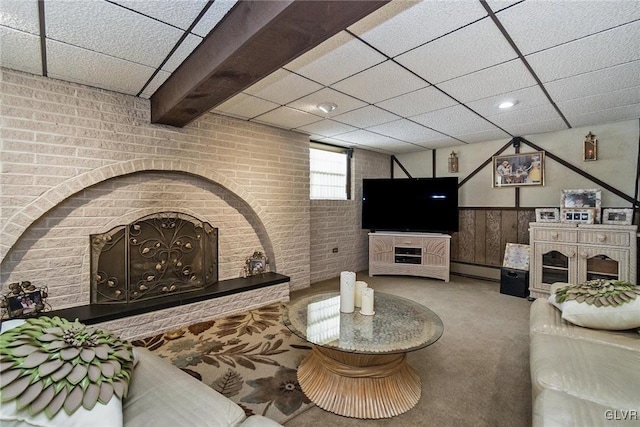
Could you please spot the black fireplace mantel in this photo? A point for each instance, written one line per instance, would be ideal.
(97, 313)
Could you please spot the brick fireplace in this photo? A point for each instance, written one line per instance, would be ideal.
(78, 161)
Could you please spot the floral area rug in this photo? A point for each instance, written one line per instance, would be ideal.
(251, 358)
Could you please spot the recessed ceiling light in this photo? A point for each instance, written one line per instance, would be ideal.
(327, 107)
(507, 104)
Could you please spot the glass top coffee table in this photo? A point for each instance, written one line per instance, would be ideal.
(358, 365)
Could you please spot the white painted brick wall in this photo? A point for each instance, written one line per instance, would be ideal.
(78, 161)
(336, 223)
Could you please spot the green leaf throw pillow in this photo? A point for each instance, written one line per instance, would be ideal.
(599, 304)
(49, 364)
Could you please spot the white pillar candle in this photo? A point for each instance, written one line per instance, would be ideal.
(360, 285)
(347, 291)
(367, 302)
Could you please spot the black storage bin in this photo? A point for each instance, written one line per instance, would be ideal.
(514, 282)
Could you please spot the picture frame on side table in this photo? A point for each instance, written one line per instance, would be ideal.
(547, 215)
(617, 216)
(580, 206)
(518, 170)
(579, 215)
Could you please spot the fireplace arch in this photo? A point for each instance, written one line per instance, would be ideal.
(19, 222)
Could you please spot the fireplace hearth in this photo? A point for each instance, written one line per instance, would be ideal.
(159, 255)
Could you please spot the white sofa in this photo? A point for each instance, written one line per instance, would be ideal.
(159, 395)
(162, 395)
(580, 376)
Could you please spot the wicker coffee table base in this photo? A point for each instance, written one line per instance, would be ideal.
(359, 385)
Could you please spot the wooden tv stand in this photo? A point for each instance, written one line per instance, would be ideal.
(410, 254)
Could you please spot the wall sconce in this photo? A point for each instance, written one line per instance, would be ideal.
(590, 148)
(453, 162)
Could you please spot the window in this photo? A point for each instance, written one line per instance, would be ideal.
(330, 172)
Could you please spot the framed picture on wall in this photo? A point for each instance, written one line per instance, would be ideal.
(617, 216)
(580, 200)
(518, 170)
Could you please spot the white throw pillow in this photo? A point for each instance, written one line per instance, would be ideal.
(621, 317)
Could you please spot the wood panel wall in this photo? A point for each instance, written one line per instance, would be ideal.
(484, 234)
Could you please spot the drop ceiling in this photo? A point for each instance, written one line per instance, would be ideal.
(409, 76)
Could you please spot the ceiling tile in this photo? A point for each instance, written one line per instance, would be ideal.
(384, 81)
(287, 118)
(310, 102)
(375, 141)
(533, 128)
(486, 135)
(469, 49)
(182, 52)
(595, 82)
(178, 13)
(606, 49)
(362, 136)
(110, 29)
(526, 98)
(500, 79)
(497, 5)
(282, 87)
(20, 51)
(402, 148)
(442, 121)
(625, 112)
(535, 26)
(417, 102)
(515, 116)
(20, 15)
(335, 59)
(326, 128)
(94, 69)
(402, 25)
(365, 117)
(214, 15)
(245, 106)
(443, 142)
(154, 84)
(595, 103)
(406, 130)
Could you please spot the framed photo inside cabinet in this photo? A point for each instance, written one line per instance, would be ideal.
(518, 170)
(547, 215)
(617, 216)
(585, 202)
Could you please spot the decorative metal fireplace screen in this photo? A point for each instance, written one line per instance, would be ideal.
(157, 255)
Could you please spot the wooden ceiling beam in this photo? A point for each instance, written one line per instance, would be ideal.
(252, 41)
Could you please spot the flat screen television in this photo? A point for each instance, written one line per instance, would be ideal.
(410, 204)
